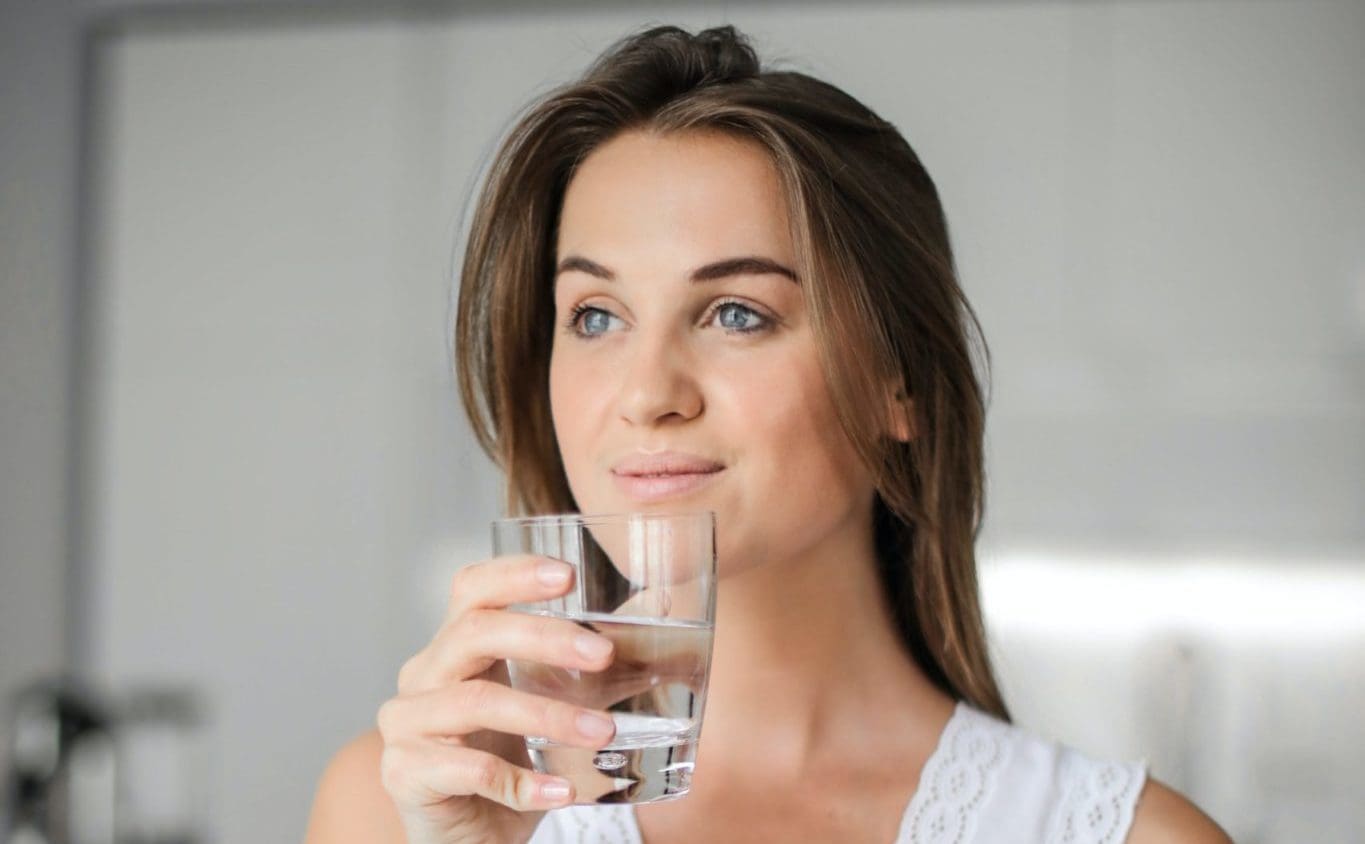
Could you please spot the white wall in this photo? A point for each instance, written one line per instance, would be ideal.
(1157, 208)
(276, 409)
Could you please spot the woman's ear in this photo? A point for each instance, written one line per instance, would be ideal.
(900, 417)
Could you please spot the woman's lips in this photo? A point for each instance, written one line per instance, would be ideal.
(660, 487)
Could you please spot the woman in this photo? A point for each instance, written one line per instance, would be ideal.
(695, 284)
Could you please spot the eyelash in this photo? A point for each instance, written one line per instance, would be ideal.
(578, 311)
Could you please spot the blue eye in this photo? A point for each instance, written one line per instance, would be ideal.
(587, 321)
(736, 317)
(595, 322)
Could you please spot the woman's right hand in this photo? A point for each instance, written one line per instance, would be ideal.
(455, 761)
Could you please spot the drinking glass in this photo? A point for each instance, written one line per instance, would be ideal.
(647, 581)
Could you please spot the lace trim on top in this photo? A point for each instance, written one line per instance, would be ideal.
(1097, 802)
(959, 775)
(599, 824)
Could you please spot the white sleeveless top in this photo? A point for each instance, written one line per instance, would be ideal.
(986, 781)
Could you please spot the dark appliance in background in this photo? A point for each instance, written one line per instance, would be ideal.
(87, 769)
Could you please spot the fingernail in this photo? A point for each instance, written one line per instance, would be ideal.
(595, 726)
(555, 791)
(590, 646)
(553, 574)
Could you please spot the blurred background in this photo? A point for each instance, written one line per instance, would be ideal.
(235, 478)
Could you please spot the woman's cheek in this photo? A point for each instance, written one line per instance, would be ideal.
(571, 412)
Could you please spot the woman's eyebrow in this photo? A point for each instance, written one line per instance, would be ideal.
(747, 265)
(583, 265)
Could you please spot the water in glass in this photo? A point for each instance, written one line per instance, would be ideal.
(652, 690)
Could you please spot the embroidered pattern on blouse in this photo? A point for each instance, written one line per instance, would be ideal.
(596, 825)
(957, 778)
(1097, 801)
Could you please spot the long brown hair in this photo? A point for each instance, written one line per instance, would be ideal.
(873, 252)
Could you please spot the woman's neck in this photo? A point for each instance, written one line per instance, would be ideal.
(809, 668)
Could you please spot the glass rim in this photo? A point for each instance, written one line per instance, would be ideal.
(599, 518)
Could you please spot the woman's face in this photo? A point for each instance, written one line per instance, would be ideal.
(684, 374)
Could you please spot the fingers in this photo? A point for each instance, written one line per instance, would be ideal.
(421, 775)
(439, 731)
(507, 580)
(468, 642)
(467, 646)
(485, 635)
(484, 705)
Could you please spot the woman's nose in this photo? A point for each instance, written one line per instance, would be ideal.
(658, 383)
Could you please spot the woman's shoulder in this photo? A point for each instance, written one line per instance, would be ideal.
(351, 803)
(1164, 816)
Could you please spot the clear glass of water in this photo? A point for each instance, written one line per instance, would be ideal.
(647, 581)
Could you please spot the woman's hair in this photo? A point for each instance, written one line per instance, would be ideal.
(872, 251)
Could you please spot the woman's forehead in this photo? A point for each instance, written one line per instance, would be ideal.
(694, 196)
